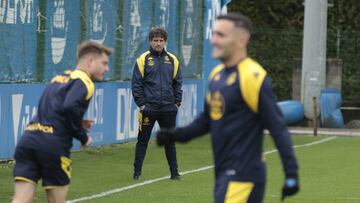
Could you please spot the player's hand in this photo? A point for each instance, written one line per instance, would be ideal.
(165, 136)
(87, 124)
(291, 186)
(88, 142)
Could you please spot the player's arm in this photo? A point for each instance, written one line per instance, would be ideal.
(137, 86)
(177, 83)
(74, 110)
(273, 120)
(198, 127)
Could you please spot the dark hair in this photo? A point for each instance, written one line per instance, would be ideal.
(240, 21)
(158, 32)
(92, 47)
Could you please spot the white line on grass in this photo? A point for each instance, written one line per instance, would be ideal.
(340, 198)
(305, 145)
(135, 185)
(147, 182)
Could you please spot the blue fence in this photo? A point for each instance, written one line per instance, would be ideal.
(38, 38)
(18, 40)
(34, 42)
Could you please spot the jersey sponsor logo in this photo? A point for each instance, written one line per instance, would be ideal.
(231, 79)
(167, 60)
(40, 127)
(150, 61)
(216, 103)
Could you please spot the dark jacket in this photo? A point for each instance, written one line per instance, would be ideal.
(60, 113)
(239, 104)
(156, 81)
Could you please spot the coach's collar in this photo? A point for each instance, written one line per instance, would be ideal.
(155, 53)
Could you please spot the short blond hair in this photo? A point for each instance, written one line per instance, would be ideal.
(92, 47)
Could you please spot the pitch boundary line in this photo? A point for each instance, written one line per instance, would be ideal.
(340, 198)
(147, 182)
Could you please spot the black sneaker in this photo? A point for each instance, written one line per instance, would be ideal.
(136, 176)
(175, 177)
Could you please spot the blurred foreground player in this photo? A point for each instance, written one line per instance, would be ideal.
(239, 105)
(43, 151)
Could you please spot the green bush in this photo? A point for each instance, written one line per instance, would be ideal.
(278, 34)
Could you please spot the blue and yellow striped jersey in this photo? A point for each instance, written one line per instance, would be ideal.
(239, 104)
(60, 112)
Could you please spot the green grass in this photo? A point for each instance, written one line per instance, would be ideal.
(329, 172)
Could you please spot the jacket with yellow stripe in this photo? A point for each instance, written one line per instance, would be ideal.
(239, 104)
(60, 112)
(156, 81)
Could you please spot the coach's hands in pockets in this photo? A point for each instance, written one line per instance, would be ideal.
(291, 186)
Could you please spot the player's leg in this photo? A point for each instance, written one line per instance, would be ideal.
(168, 120)
(257, 194)
(220, 189)
(26, 175)
(146, 124)
(244, 192)
(56, 174)
(227, 190)
(24, 192)
(57, 195)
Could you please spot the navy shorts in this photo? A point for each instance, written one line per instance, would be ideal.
(32, 165)
(230, 190)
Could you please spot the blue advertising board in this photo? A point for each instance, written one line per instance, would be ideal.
(112, 108)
